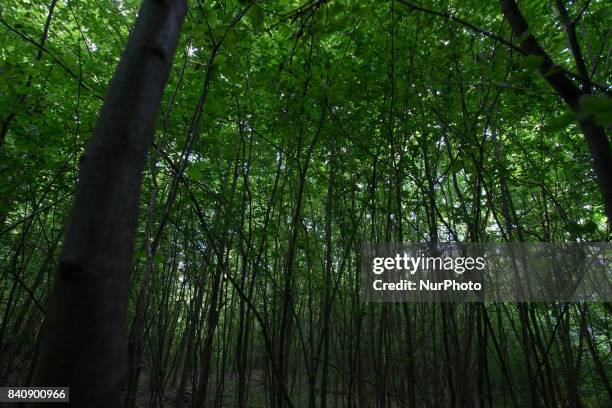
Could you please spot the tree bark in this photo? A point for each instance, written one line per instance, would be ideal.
(84, 335)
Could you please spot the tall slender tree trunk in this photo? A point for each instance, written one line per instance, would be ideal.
(327, 290)
(135, 340)
(84, 334)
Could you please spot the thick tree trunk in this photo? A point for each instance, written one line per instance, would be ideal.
(84, 336)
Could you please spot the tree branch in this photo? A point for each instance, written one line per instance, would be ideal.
(494, 37)
(570, 29)
(552, 73)
(53, 57)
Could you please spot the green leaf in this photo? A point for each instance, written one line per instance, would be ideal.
(220, 60)
(213, 20)
(337, 24)
(231, 38)
(194, 173)
(560, 122)
(598, 106)
(140, 255)
(531, 62)
(336, 8)
(256, 15)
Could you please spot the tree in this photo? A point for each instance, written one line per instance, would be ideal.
(574, 96)
(83, 342)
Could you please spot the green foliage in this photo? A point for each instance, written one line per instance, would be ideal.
(532, 62)
(598, 106)
(561, 122)
(425, 126)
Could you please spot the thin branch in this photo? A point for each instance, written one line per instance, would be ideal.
(580, 14)
(495, 37)
(55, 59)
(570, 29)
(464, 23)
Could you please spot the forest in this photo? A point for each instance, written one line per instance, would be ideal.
(186, 188)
